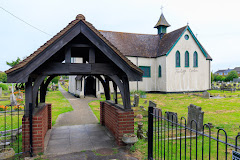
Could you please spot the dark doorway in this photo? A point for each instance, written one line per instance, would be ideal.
(90, 86)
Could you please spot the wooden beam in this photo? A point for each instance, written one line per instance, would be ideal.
(118, 82)
(106, 91)
(78, 69)
(80, 45)
(91, 55)
(36, 85)
(44, 88)
(67, 55)
(28, 96)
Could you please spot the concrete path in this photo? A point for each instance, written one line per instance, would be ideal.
(82, 113)
(78, 130)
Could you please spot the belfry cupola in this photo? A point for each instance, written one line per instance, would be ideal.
(162, 25)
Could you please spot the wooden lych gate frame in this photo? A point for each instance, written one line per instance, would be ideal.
(79, 39)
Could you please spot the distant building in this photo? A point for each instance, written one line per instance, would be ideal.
(238, 70)
(172, 62)
(223, 72)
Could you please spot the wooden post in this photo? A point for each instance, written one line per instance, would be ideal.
(107, 94)
(42, 93)
(127, 104)
(115, 92)
(91, 55)
(28, 95)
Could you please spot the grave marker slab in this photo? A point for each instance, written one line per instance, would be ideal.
(195, 113)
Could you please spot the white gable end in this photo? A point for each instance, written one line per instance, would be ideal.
(184, 78)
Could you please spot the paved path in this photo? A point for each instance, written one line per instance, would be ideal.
(82, 113)
(78, 130)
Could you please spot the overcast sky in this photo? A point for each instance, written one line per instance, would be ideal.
(216, 23)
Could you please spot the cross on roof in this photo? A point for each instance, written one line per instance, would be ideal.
(161, 9)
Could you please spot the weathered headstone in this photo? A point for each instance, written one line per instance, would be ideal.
(195, 113)
(136, 100)
(172, 117)
(206, 95)
(13, 100)
(0, 91)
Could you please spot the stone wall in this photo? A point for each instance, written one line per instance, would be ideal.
(116, 120)
(42, 121)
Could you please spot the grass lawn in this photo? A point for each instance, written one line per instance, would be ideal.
(59, 104)
(222, 113)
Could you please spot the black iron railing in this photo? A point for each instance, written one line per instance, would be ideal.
(11, 128)
(169, 138)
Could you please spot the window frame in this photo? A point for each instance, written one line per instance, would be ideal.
(149, 67)
(195, 60)
(179, 59)
(187, 60)
(159, 71)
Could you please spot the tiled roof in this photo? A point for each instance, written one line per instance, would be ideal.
(169, 40)
(237, 69)
(145, 45)
(79, 18)
(131, 44)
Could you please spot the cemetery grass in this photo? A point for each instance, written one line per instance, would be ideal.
(59, 104)
(222, 113)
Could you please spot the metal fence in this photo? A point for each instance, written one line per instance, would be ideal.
(171, 138)
(11, 128)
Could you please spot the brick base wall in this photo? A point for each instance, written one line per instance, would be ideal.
(42, 121)
(116, 120)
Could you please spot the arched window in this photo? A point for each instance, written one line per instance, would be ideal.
(159, 71)
(177, 59)
(186, 59)
(195, 59)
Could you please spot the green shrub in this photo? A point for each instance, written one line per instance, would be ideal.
(4, 86)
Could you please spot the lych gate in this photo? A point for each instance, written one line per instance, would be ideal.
(99, 59)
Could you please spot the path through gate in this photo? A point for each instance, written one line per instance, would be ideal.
(169, 137)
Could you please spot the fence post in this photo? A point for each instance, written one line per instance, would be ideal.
(30, 129)
(150, 130)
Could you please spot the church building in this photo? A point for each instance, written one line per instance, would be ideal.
(172, 62)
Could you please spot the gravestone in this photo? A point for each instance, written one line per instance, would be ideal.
(13, 100)
(0, 91)
(195, 113)
(136, 100)
(206, 95)
(172, 117)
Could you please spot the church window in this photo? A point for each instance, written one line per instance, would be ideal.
(195, 59)
(186, 37)
(177, 59)
(186, 59)
(159, 71)
(146, 71)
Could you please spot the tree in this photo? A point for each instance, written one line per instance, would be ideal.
(220, 78)
(231, 75)
(13, 63)
(3, 77)
(212, 77)
(55, 79)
